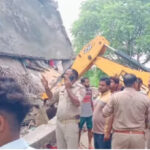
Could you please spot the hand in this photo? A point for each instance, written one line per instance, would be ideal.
(44, 82)
(106, 136)
(68, 83)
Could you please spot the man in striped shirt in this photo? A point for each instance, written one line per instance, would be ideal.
(86, 111)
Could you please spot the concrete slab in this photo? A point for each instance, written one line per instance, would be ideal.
(42, 135)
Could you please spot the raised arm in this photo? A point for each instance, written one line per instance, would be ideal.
(47, 89)
(73, 97)
(77, 97)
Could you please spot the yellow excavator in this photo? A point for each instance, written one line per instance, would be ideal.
(92, 54)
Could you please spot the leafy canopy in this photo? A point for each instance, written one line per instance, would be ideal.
(124, 23)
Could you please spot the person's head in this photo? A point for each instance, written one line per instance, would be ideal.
(104, 84)
(114, 84)
(129, 80)
(85, 82)
(138, 84)
(72, 75)
(14, 107)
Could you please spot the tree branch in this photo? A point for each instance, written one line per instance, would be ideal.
(146, 60)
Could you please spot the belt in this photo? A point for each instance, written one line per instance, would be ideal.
(73, 119)
(69, 121)
(129, 132)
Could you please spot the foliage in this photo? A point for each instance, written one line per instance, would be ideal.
(94, 76)
(125, 23)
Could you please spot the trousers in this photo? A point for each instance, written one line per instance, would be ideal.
(99, 142)
(67, 134)
(128, 141)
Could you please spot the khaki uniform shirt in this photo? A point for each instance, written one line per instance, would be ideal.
(98, 119)
(66, 109)
(130, 109)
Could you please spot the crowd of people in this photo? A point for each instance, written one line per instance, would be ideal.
(118, 118)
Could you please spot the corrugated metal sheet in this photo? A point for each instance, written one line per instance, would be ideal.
(33, 28)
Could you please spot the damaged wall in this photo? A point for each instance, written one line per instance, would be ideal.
(30, 81)
(34, 29)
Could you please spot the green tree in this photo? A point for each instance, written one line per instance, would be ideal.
(125, 23)
(94, 75)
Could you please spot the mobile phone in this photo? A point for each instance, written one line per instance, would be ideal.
(71, 78)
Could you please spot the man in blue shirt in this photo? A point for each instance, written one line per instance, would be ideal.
(14, 107)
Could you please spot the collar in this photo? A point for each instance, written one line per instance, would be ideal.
(17, 144)
(105, 94)
(129, 89)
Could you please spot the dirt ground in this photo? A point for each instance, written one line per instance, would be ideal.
(84, 140)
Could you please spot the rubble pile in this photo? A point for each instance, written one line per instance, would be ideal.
(35, 44)
(30, 82)
(26, 81)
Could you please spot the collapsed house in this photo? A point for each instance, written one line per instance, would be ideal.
(33, 42)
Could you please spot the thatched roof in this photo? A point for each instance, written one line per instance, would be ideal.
(33, 28)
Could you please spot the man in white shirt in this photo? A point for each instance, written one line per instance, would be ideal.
(17, 144)
(14, 107)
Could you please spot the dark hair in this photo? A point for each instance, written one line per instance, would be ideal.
(83, 79)
(115, 79)
(75, 74)
(122, 88)
(129, 79)
(13, 101)
(139, 80)
(106, 79)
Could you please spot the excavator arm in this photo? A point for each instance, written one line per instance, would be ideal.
(114, 69)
